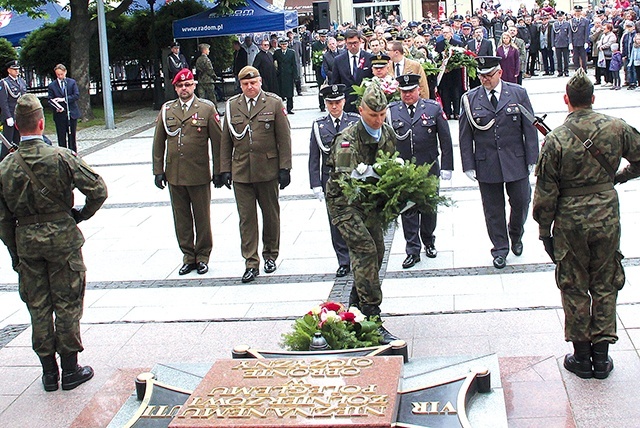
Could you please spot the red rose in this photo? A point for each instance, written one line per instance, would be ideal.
(348, 316)
(332, 306)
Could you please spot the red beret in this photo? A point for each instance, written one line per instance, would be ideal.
(184, 74)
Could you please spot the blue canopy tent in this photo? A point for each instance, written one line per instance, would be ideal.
(256, 17)
(15, 27)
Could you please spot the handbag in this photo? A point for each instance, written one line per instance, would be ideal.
(602, 62)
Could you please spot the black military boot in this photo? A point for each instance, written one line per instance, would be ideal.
(354, 300)
(579, 363)
(374, 311)
(73, 374)
(602, 363)
(50, 373)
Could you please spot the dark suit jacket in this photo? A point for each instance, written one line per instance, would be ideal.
(486, 47)
(264, 64)
(505, 159)
(71, 94)
(342, 74)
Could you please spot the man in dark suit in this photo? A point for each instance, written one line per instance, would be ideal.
(256, 149)
(285, 60)
(350, 67)
(534, 47)
(329, 57)
(322, 132)
(12, 87)
(176, 60)
(419, 125)
(267, 69)
(63, 97)
(185, 129)
(450, 86)
(499, 149)
(239, 62)
(320, 45)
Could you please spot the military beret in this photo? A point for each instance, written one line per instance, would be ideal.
(380, 60)
(333, 92)
(27, 104)
(374, 97)
(408, 82)
(248, 72)
(486, 64)
(174, 44)
(184, 74)
(13, 64)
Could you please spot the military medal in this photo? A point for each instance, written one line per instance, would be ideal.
(194, 121)
(267, 126)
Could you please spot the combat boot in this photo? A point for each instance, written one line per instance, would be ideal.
(387, 337)
(73, 374)
(372, 311)
(354, 300)
(579, 363)
(50, 373)
(602, 363)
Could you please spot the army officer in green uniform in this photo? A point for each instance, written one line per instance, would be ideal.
(358, 144)
(256, 152)
(45, 243)
(575, 195)
(185, 129)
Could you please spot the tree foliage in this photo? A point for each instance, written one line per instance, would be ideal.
(7, 51)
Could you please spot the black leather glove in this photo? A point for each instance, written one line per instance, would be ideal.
(161, 180)
(217, 181)
(77, 215)
(225, 179)
(284, 178)
(618, 179)
(547, 241)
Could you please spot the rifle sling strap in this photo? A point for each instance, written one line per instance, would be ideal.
(591, 148)
(43, 189)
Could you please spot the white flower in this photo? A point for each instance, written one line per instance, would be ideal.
(316, 310)
(400, 161)
(361, 168)
(329, 315)
(359, 317)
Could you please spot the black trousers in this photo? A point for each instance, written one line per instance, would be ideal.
(66, 132)
(493, 204)
(563, 60)
(548, 61)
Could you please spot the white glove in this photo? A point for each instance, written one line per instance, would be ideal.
(9, 121)
(471, 174)
(531, 168)
(586, 45)
(319, 194)
(445, 175)
(570, 46)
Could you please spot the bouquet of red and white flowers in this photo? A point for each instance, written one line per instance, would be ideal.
(389, 86)
(341, 328)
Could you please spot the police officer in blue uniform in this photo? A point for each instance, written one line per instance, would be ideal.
(561, 40)
(12, 87)
(322, 132)
(420, 125)
(579, 37)
(499, 149)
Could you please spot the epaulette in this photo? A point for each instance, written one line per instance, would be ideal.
(430, 101)
(234, 97)
(206, 101)
(272, 95)
(351, 114)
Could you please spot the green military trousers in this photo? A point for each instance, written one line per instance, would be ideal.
(589, 274)
(54, 285)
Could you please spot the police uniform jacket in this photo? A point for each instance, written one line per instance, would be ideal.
(61, 171)
(10, 90)
(579, 31)
(176, 63)
(181, 142)
(256, 145)
(417, 137)
(503, 151)
(560, 32)
(319, 149)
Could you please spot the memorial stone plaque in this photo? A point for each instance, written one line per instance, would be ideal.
(305, 392)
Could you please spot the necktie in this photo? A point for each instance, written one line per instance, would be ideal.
(354, 64)
(184, 108)
(412, 110)
(397, 69)
(252, 103)
(337, 123)
(61, 84)
(478, 43)
(494, 100)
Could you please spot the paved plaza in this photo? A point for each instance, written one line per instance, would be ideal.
(139, 311)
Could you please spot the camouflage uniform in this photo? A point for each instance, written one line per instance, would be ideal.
(51, 270)
(586, 227)
(366, 245)
(206, 78)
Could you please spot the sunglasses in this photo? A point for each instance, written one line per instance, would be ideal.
(184, 85)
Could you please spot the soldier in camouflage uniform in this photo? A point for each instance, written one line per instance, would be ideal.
(45, 243)
(206, 75)
(575, 194)
(358, 144)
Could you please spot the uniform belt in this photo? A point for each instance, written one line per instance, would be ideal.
(586, 190)
(42, 218)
